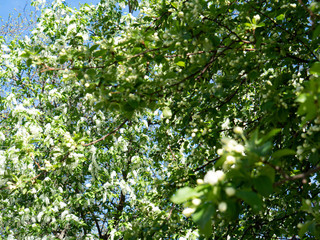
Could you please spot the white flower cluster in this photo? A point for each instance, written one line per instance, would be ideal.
(213, 177)
(231, 148)
(190, 235)
(2, 136)
(21, 109)
(308, 144)
(2, 162)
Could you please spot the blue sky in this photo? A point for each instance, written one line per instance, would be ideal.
(8, 6)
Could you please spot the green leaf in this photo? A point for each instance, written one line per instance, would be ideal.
(253, 75)
(183, 194)
(120, 58)
(63, 59)
(269, 172)
(26, 54)
(263, 185)
(29, 62)
(261, 25)
(315, 69)
(94, 47)
(100, 53)
(306, 206)
(202, 217)
(280, 17)
(307, 108)
(127, 108)
(215, 41)
(316, 33)
(173, 4)
(134, 103)
(305, 227)
(181, 64)
(251, 198)
(283, 152)
(269, 135)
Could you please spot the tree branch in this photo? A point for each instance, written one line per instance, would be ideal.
(206, 164)
(298, 176)
(104, 137)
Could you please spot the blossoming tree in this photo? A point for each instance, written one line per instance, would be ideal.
(177, 120)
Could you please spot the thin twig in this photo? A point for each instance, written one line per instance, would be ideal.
(287, 31)
(229, 98)
(104, 137)
(298, 176)
(206, 164)
(170, 213)
(174, 158)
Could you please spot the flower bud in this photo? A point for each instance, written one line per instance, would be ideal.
(230, 191)
(196, 201)
(238, 130)
(188, 211)
(222, 206)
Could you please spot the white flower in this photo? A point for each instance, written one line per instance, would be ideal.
(47, 164)
(230, 160)
(64, 213)
(196, 201)
(188, 211)
(19, 108)
(220, 174)
(122, 5)
(52, 91)
(229, 144)
(299, 151)
(5, 48)
(225, 125)
(239, 148)
(62, 205)
(230, 191)
(212, 177)
(220, 151)
(35, 130)
(2, 137)
(199, 181)
(256, 17)
(33, 191)
(40, 216)
(39, 1)
(222, 207)
(238, 130)
(55, 209)
(71, 28)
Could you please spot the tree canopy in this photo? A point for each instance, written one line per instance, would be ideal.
(162, 119)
